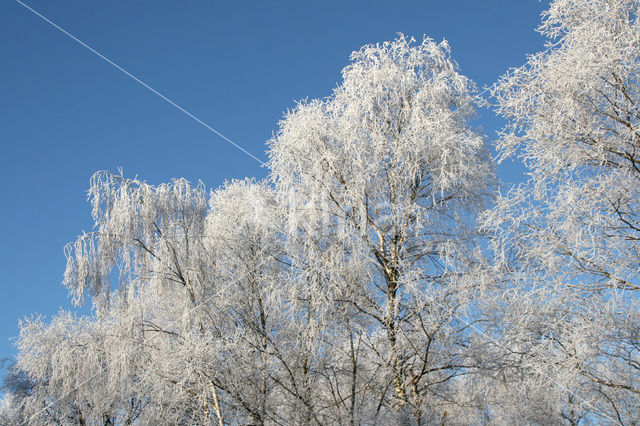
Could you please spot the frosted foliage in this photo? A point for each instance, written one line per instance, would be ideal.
(138, 228)
(575, 104)
(381, 181)
(574, 119)
(331, 295)
(389, 158)
(196, 318)
(397, 127)
(72, 366)
(567, 240)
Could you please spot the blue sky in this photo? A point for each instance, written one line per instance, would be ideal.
(237, 65)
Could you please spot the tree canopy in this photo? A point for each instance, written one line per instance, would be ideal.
(376, 276)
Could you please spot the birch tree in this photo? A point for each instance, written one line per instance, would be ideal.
(194, 283)
(381, 181)
(571, 232)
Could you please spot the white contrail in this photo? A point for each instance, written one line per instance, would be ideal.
(127, 73)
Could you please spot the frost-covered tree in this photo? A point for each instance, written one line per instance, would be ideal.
(205, 279)
(570, 235)
(575, 121)
(65, 374)
(381, 181)
(343, 291)
(17, 387)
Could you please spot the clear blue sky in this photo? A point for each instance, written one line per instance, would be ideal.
(237, 65)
